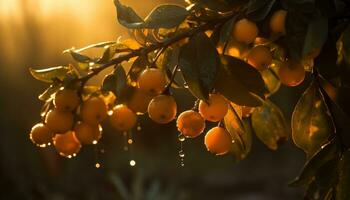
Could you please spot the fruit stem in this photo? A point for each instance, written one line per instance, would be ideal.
(167, 87)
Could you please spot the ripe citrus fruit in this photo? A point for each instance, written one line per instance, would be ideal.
(123, 118)
(278, 21)
(41, 135)
(152, 80)
(162, 109)
(245, 31)
(218, 141)
(67, 144)
(139, 101)
(190, 123)
(94, 111)
(87, 134)
(215, 110)
(58, 121)
(259, 57)
(66, 100)
(291, 73)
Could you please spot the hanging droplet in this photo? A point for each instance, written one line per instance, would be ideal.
(185, 85)
(181, 137)
(132, 163)
(138, 128)
(182, 163)
(125, 135)
(97, 165)
(181, 153)
(130, 141)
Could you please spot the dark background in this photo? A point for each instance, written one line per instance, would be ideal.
(33, 33)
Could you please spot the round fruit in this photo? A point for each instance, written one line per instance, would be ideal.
(245, 31)
(162, 109)
(94, 111)
(215, 110)
(152, 80)
(41, 135)
(87, 134)
(58, 121)
(278, 21)
(291, 73)
(246, 111)
(66, 144)
(66, 100)
(218, 141)
(190, 123)
(123, 119)
(259, 57)
(139, 101)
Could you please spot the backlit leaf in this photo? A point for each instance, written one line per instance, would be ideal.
(271, 80)
(269, 125)
(239, 82)
(127, 16)
(49, 74)
(115, 82)
(324, 154)
(316, 35)
(311, 120)
(259, 9)
(199, 61)
(165, 16)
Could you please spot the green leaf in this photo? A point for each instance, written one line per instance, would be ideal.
(198, 61)
(271, 79)
(269, 125)
(47, 95)
(240, 134)
(48, 75)
(239, 82)
(165, 16)
(217, 5)
(324, 154)
(316, 35)
(97, 45)
(127, 16)
(115, 82)
(226, 30)
(342, 189)
(108, 54)
(311, 120)
(259, 9)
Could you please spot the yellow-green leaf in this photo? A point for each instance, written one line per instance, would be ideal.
(49, 74)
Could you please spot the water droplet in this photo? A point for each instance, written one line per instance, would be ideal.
(94, 142)
(185, 85)
(181, 137)
(130, 141)
(178, 69)
(97, 165)
(102, 151)
(138, 127)
(125, 148)
(110, 112)
(181, 153)
(132, 163)
(182, 164)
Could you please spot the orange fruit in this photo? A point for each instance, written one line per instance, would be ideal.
(162, 109)
(218, 141)
(278, 22)
(41, 135)
(245, 31)
(87, 134)
(123, 119)
(94, 111)
(259, 57)
(152, 80)
(215, 110)
(190, 123)
(139, 101)
(67, 144)
(291, 73)
(58, 121)
(66, 100)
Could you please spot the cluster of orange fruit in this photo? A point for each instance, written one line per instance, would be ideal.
(68, 131)
(291, 72)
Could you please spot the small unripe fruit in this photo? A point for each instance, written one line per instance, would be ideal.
(215, 110)
(278, 21)
(291, 73)
(218, 141)
(67, 144)
(152, 80)
(259, 57)
(41, 135)
(66, 100)
(190, 123)
(162, 109)
(87, 134)
(139, 101)
(245, 31)
(94, 111)
(58, 121)
(123, 119)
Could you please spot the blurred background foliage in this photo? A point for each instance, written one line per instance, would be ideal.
(33, 33)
